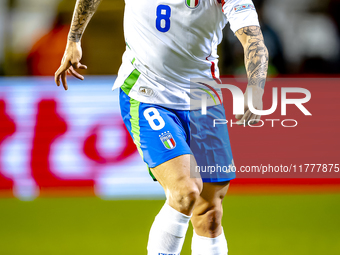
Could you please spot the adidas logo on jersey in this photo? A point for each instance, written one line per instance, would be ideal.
(144, 91)
(192, 4)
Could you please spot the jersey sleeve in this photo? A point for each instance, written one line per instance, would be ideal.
(240, 13)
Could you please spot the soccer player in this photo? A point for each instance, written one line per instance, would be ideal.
(168, 44)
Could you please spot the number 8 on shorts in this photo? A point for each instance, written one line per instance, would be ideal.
(155, 120)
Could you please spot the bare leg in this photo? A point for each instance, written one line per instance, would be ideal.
(207, 215)
(208, 238)
(169, 228)
(181, 190)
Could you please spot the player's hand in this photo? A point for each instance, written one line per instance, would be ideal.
(248, 117)
(69, 64)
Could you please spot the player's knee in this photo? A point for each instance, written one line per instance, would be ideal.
(209, 221)
(214, 219)
(186, 198)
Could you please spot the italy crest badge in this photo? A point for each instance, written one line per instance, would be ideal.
(167, 140)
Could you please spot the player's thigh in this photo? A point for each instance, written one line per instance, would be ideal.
(177, 176)
(182, 190)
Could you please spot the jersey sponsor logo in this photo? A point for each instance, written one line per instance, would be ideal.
(192, 4)
(244, 7)
(167, 140)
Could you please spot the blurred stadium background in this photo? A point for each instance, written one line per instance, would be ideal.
(71, 180)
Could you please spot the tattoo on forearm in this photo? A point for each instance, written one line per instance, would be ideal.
(83, 12)
(256, 56)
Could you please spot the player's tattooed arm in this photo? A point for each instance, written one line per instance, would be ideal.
(83, 13)
(256, 63)
(255, 55)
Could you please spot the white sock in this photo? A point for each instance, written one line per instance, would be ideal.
(201, 245)
(168, 232)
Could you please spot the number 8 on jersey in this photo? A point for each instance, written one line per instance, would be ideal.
(163, 18)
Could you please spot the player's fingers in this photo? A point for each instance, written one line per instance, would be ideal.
(245, 118)
(258, 118)
(238, 116)
(78, 65)
(254, 119)
(82, 67)
(62, 69)
(75, 65)
(57, 77)
(250, 118)
(75, 74)
(64, 81)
